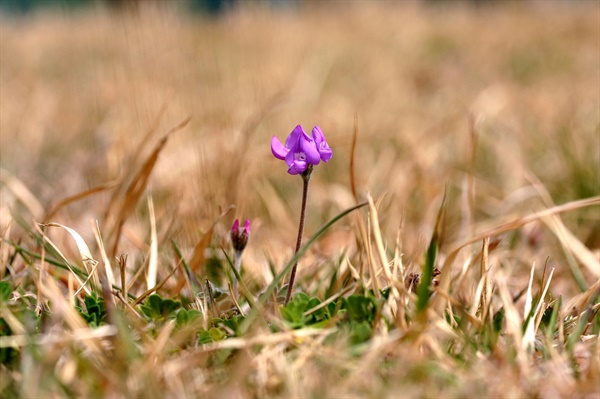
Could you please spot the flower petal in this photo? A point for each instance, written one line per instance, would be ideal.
(292, 139)
(297, 167)
(317, 134)
(278, 150)
(324, 151)
(309, 148)
(291, 156)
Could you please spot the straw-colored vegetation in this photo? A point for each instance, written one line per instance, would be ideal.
(131, 141)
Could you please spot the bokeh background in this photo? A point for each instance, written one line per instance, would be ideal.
(502, 97)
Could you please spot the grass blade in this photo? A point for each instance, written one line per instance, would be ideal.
(430, 258)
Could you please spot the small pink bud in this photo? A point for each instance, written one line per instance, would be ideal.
(239, 237)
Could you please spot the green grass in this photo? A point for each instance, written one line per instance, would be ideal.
(451, 245)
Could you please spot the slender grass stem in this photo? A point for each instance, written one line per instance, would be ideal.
(305, 179)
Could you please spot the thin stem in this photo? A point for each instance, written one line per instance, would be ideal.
(237, 265)
(305, 179)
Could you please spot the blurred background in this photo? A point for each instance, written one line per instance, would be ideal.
(497, 99)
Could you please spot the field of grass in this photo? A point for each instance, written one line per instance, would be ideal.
(452, 242)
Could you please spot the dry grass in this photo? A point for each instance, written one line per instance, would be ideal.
(497, 107)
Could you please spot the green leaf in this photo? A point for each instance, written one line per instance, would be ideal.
(182, 318)
(332, 284)
(95, 310)
(169, 306)
(158, 308)
(204, 337)
(583, 319)
(553, 319)
(498, 320)
(231, 323)
(216, 334)
(293, 312)
(5, 291)
(361, 308)
(8, 356)
(430, 258)
(360, 332)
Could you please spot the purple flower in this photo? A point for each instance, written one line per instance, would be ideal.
(322, 146)
(239, 237)
(301, 150)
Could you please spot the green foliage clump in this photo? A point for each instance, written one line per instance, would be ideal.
(355, 315)
(159, 308)
(94, 310)
(296, 313)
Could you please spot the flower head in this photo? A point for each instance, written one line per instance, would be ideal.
(301, 150)
(324, 151)
(239, 237)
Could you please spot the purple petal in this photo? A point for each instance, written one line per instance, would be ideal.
(247, 226)
(325, 152)
(278, 150)
(297, 168)
(309, 148)
(317, 134)
(236, 226)
(292, 155)
(292, 139)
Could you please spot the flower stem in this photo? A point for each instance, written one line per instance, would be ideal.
(238, 265)
(305, 179)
